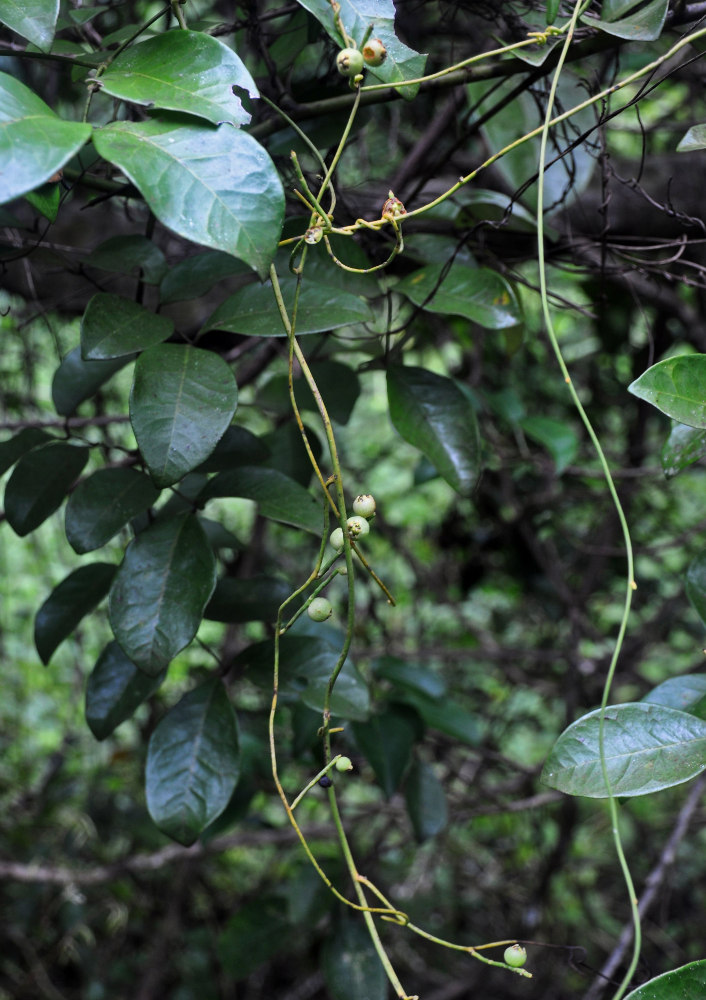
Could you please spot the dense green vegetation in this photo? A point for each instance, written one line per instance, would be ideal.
(242, 286)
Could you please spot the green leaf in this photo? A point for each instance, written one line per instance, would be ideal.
(433, 414)
(557, 437)
(677, 387)
(39, 482)
(684, 446)
(350, 964)
(104, 503)
(182, 70)
(402, 63)
(287, 453)
(113, 327)
(115, 688)
(683, 693)
(410, 676)
(76, 380)
(642, 25)
(647, 748)
(19, 444)
(306, 663)
(193, 277)
(35, 20)
(182, 401)
(193, 762)
(46, 200)
(125, 254)
(611, 10)
(685, 983)
(552, 11)
(257, 599)
(476, 293)
(253, 310)
(34, 142)
(446, 715)
(214, 186)
(387, 741)
(252, 936)
(482, 205)
(695, 138)
(70, 601)
(276, 495)
(695, 583)
(160, 591)
(238, 446)
(338, 384)
(426, 802)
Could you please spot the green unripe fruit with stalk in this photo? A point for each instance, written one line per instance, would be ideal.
(336, 538)
(364, 505)
(349, 62)
(374, 52)
(344, 764)
(515, 956)
(320, 609)
(357, 527)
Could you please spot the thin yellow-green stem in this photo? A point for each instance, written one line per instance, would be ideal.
(630, 581)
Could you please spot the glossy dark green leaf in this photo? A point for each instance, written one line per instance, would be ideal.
(410, 676)
(104, 503)
(46, 199)
(402, 63)
(647, 748)
(214, 186)
(70, 601)
(433, 414)
(695, 138)
(677, 387)
(115, 688)
(76, 380)
(338, 384)
(557, 437)
(644, 24)
(552, 11)
(182, 400)
(193, 762)
(695, 584)
(611, 10)
(387, 741)
(252, 936)
(130, 253)
(256, 599)
(288, 454)
(426, 801)
(685, 983)
(684, 446)
(482, 205)
(476, 293)
(306, 663)
(34, 142)
(39, 483)
(182, 70)
(683, 693)
(160, 591)
(350, 964)
(276, 495)
(194, 276)
(35, 20)
(253, 310)
(238, 446)
(113, 326)
(19, 444)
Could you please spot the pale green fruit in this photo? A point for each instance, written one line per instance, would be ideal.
(364, 505)
(344, 764)
(515, 956)
(349, 62)
(357, 526)
(320, 609)
(336, 538)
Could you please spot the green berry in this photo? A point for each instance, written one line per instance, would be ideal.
(515, 956)
(320, 609)
(336, 538)
(365, 505)
(344, 764)
(349, 62)
(374, 52)
(357, 527)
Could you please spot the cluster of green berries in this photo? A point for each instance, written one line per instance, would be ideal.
(352, 62)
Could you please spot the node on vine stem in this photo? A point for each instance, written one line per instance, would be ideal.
(349, 62)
